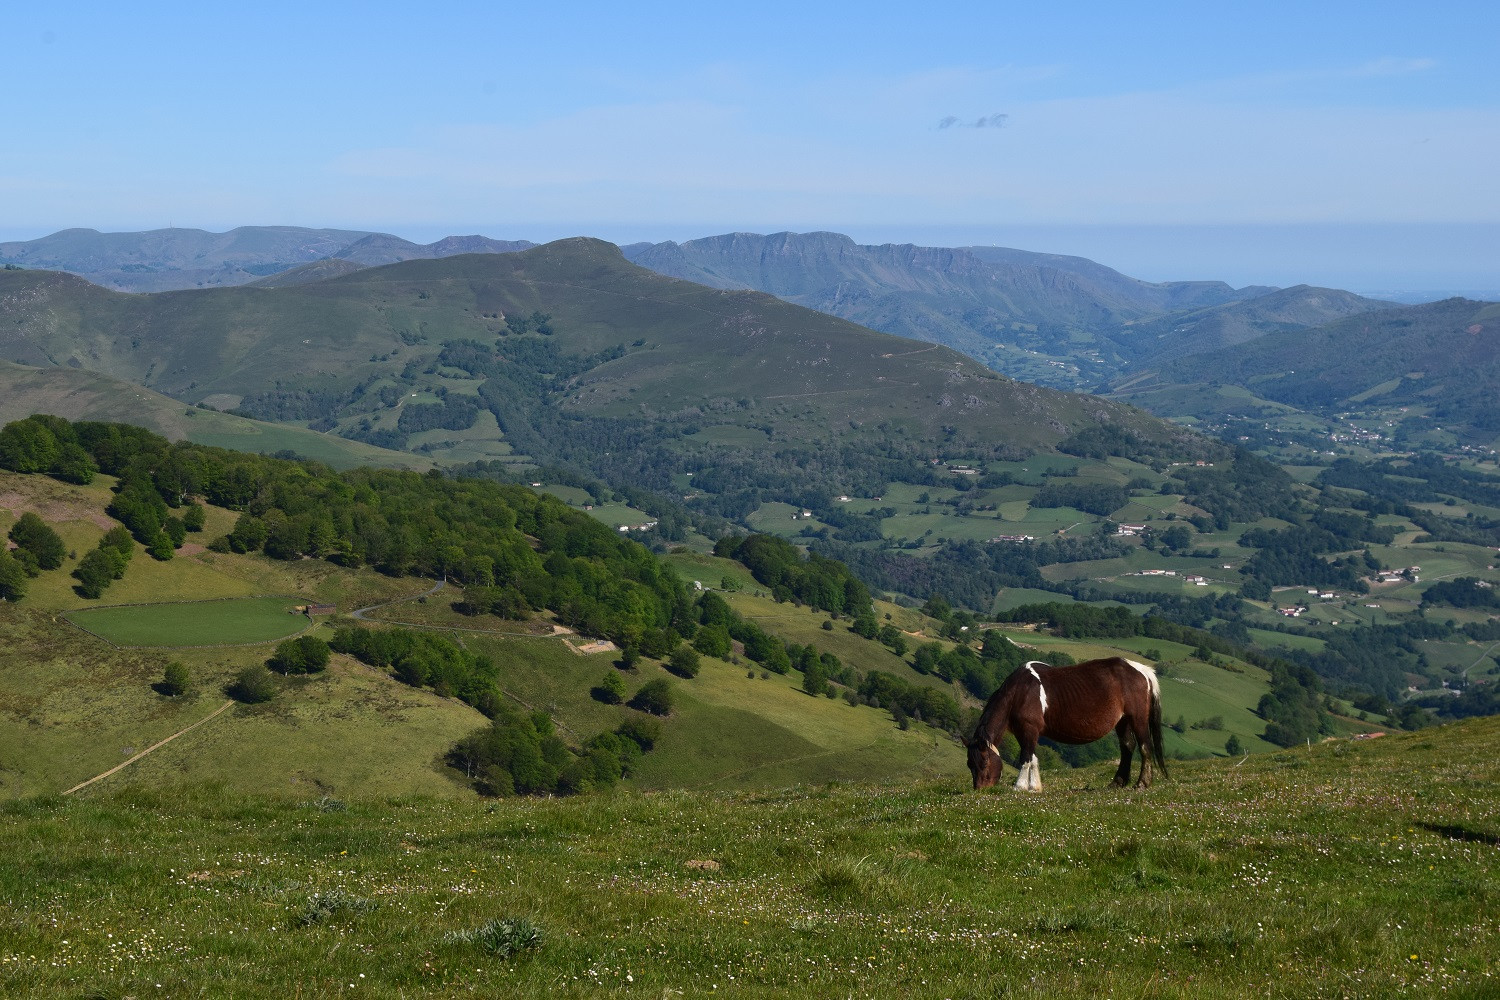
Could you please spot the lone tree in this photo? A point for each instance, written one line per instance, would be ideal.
(655, 696)
(174, 679)
(1232, 746)
(684, 662)
(252, 686)
(611, 689)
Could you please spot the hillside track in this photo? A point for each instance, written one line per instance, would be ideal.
(160, 743)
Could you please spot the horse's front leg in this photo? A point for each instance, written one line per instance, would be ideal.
(1127, 744)
(1030, 777)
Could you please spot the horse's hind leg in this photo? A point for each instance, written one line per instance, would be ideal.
(1127, 744)
(1143, 740)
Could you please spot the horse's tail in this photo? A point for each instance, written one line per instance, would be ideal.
(1155, 720)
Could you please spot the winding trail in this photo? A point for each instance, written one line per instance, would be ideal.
(161, 743)
(360, 612)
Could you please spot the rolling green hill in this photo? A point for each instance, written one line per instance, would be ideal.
(1160, 340)
(76, 691)
(77, 394)
(1437, 361)
(628, 372)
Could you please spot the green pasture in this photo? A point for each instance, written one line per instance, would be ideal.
(1034, 470)
(708, 569)
(1290, 874)
(196, 623)
(730, 436)
(1270, 640)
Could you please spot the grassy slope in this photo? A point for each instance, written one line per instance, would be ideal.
(84, 395)
(1294, 874)
(76, 707)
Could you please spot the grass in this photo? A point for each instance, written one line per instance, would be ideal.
(198, 623)
(1293, 874)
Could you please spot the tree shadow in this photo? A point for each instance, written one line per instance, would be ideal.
(1462, 833)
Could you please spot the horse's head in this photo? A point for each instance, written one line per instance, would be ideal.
(984, 762)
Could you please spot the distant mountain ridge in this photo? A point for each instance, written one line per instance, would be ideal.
(965, 298)
(1062, 321)
(172, 259)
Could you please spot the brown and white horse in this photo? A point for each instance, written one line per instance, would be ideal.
(1077, 704)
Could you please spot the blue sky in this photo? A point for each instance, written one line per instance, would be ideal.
(1351, 144)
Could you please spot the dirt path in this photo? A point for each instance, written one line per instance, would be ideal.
(360, 612)
(169, 739)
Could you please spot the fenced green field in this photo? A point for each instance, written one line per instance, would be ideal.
(196, 623)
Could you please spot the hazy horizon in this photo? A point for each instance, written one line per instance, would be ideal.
(1364, 258)
(1339, 143)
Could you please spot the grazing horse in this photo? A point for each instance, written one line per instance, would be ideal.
(1077, 704)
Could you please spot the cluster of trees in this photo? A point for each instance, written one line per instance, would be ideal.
(1105, 440)
(1093, 498)
(1464, 592)
(1294, 555)
(1293, 708)
(42, 443)
(1246, 489)
(423, 659)
(969, 573)
(521, 754)
(454, 413)
(305, 654)
(36, 544)
(980, 673)
(104, 564)
(539, 321)
(815, 580)
(907, 700)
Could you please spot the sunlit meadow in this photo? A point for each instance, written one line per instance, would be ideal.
(1352, 868)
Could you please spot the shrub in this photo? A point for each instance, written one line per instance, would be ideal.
(12, 577)
(174, 679)
(611, 689)
(500, 938)
(655, 696)
(329, 905)
(684, 662)
(253, 685)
